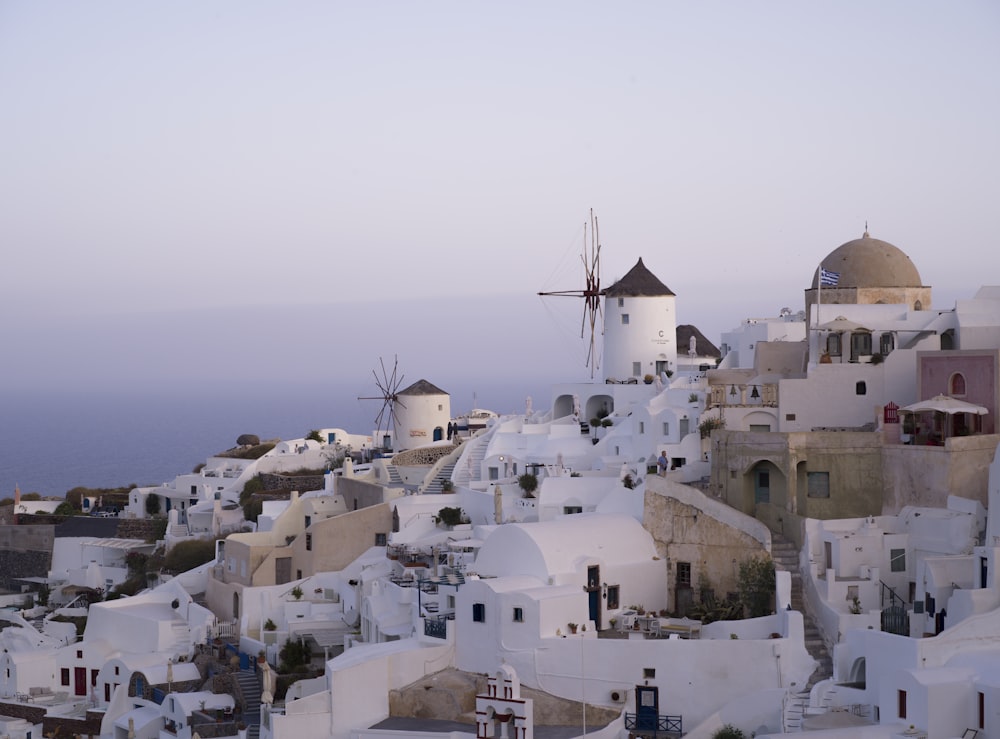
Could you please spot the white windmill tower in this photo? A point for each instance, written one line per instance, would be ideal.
(640, 326)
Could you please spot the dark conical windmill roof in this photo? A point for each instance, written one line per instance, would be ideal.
(704, 347)
(422, 387)
(638, 282)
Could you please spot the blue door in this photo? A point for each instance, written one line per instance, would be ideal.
(647, 707)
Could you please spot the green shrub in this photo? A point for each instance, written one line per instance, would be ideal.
(708, 425)
(314, 435)
(450, 516)
(65, 509)
(528, 483)
(153, 505)
(729, 732)
(189, 554)
(294, 655)
(756, 586)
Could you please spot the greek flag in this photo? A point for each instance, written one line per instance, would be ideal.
(828, 278)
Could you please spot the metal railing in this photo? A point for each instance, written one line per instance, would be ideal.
(654, 724)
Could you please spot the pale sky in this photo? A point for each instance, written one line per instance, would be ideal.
(159, 157)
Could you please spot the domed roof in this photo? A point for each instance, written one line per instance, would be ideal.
(868, 262)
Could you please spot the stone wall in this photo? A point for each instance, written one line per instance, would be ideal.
(302, 483)
(147, 529)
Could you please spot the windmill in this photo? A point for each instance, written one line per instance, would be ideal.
(388, 385)
(591, 291)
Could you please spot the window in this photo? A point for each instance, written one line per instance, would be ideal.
(308, 522)
(381, 540)
(648, 673)
(789, 416)
(116, 669)
(309, 542)
(860, 388)
(64, 675)
(642, 427)
(493, 473)
(762, 490)
(666, 428)
(861, 345)
(613, 599)
(901, 699)
(479, 612)
(621, 302)
(570, 509)
(852, 592)
(818, 484)
(624, 319)
(897, 560)
(93, 677)
(518, 614)
(833, 345)
(760, 427)
(886, 343)
(298, 574)
(684, 574)
(982, 710)
(636, 369)
(79, 654)
(957, 384)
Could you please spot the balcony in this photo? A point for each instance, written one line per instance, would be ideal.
(642, 725)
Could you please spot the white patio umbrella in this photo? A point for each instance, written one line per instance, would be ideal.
(945, 404)
(841, 324)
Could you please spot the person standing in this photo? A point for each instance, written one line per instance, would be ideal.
(661, 464)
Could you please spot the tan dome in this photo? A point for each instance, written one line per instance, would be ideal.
(868, 262)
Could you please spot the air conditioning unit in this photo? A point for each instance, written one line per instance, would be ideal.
(617, 696)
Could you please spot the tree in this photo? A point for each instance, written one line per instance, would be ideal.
(153, 505)
(314, 435)
(65, 509)
(756, 586)
(528, 483)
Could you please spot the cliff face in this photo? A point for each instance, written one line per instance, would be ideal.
(451, 695)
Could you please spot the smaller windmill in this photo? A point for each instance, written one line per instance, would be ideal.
(388, 384)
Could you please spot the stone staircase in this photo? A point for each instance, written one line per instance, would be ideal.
(249, 683)
(471, 460)
(786, 557)
(797, 704)
(394, 477)
(444, 473)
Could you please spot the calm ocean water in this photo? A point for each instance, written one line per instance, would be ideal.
(52, 442)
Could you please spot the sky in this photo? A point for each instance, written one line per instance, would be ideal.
(191, 192)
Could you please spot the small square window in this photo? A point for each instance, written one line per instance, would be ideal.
(818, 484)
(479, 612)
(381, 540)
(624, 319)
(79, 654)
(64, 675)
(493, 473)
(621, 302)
(789, 416)
(518, 614)
(648, 673)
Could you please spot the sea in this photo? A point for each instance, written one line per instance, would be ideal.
(51, 442)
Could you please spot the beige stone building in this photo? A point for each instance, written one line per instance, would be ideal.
(700, 541)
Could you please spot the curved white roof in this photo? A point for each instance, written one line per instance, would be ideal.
(548, 548)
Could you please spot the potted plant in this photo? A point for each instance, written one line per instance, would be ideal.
(528, 484)
(648, 379)
(572, 627)
(297, 592)
(447, 486)
(269, 625)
